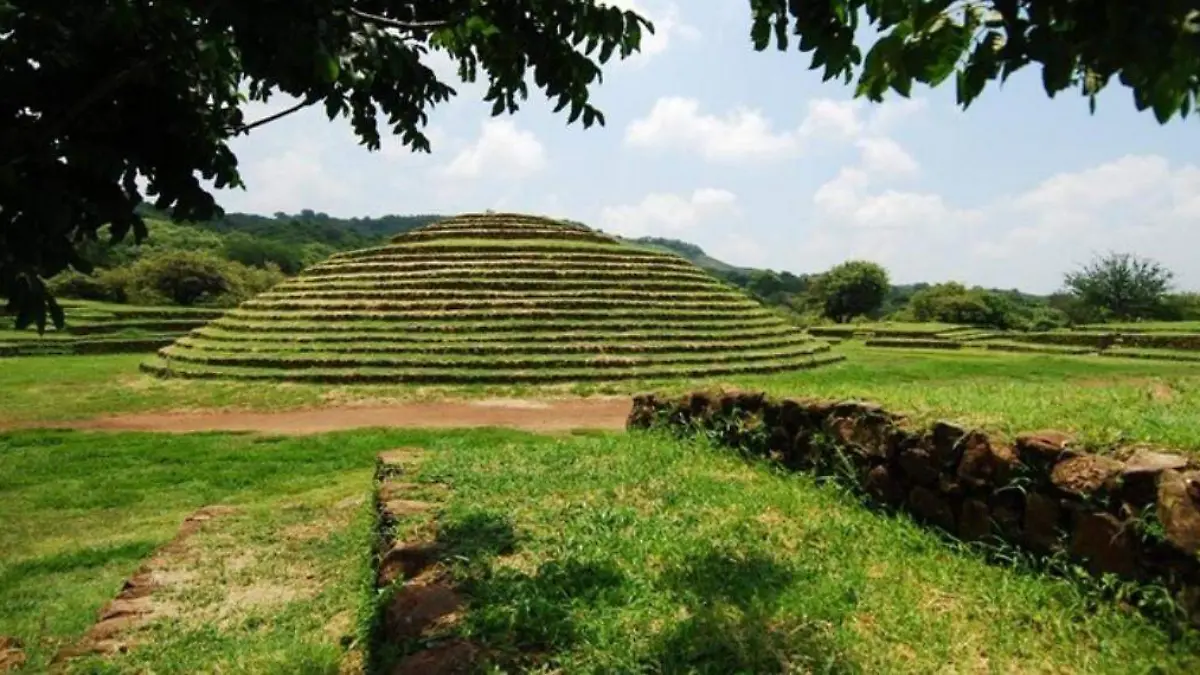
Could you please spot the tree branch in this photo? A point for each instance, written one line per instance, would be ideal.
(247, 128)
(396, 23)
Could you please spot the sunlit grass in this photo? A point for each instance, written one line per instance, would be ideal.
(596, 553)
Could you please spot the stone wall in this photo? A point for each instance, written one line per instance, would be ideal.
(1134, 513)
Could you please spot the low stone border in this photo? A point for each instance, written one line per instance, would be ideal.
(422, 603)
(1135, 513)
(133, 606)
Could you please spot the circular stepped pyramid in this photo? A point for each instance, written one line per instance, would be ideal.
(494, 298)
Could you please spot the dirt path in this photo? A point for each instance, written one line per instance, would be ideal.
(529, 415)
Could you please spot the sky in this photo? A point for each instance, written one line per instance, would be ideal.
(751, 156)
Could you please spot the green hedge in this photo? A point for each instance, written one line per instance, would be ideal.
(1183, 341)
(381, 293)
(402, 255)
(504, 305)
(902, 343)
(1187, 357)
(217, 334)
(490, 376)
(493, 285)
(530, 270)
(605, 315)
(501, 233)
(96, 346)
(148, 325)
(279, 325)
(291, 359)
(1037, 348)
(466, 247)
(498, 348)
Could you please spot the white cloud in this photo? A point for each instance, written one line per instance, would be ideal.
(502, 151)
(827, 117)
(882, 155)
(1140, 204)
(677, 123)
(298, 175)
(893, 112)
(846, 201)
(742, 249)
(667, 26)
(668, 213)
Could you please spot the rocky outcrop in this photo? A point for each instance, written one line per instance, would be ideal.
(1134, 513)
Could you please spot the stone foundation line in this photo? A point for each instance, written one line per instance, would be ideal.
(1134, 513)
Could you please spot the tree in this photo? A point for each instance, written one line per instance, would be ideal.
(952, 302)
(852, 289)
(1151, 47)
(179, 277)
(98, 95)
(103, 100)
(1121, 285)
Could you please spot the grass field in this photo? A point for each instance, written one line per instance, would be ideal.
(1107, 401)
(584, 554)
(104, 328)
(580, 553)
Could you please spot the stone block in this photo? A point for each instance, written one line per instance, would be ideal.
(974, 520)
(932, 508)
(984, 464)
(1179, 509)
(1085, 476)
(1105, 543)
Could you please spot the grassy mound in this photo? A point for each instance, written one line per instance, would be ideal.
(494, 298)
(104, 328)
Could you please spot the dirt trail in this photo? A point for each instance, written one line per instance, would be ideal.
(530, 415)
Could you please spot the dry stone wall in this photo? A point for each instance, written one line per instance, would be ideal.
(1134, 513)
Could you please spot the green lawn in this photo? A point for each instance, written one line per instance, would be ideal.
(1105, 400)
(1146, 326)
(621, 553)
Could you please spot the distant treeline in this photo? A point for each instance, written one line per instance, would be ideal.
(1112, 287)
(220, 262)
(224, 261)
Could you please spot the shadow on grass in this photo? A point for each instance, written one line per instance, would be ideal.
(732, 621)
(16, 575)
(522, 617)
(734, 624)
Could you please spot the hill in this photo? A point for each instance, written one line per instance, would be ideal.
(495, 298)
(690, 251)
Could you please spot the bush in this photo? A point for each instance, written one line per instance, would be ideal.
(188, 278)
(954, 303)
(72, 284)
(1047, 319)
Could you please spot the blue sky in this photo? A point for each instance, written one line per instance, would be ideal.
(752, 157)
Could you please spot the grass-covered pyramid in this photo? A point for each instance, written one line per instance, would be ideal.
(494, 298)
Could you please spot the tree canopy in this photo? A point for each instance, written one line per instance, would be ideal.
(98, 95)
(1121, 286)
(1153, 48)
(106, 100)
(852, 289)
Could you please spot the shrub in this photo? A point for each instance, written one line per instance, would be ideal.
(72, 284)
(854, 288)
(954, 303)
(1047, 319)
(188, 278)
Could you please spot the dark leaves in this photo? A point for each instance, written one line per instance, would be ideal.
(1153, 47)
(121, 93)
